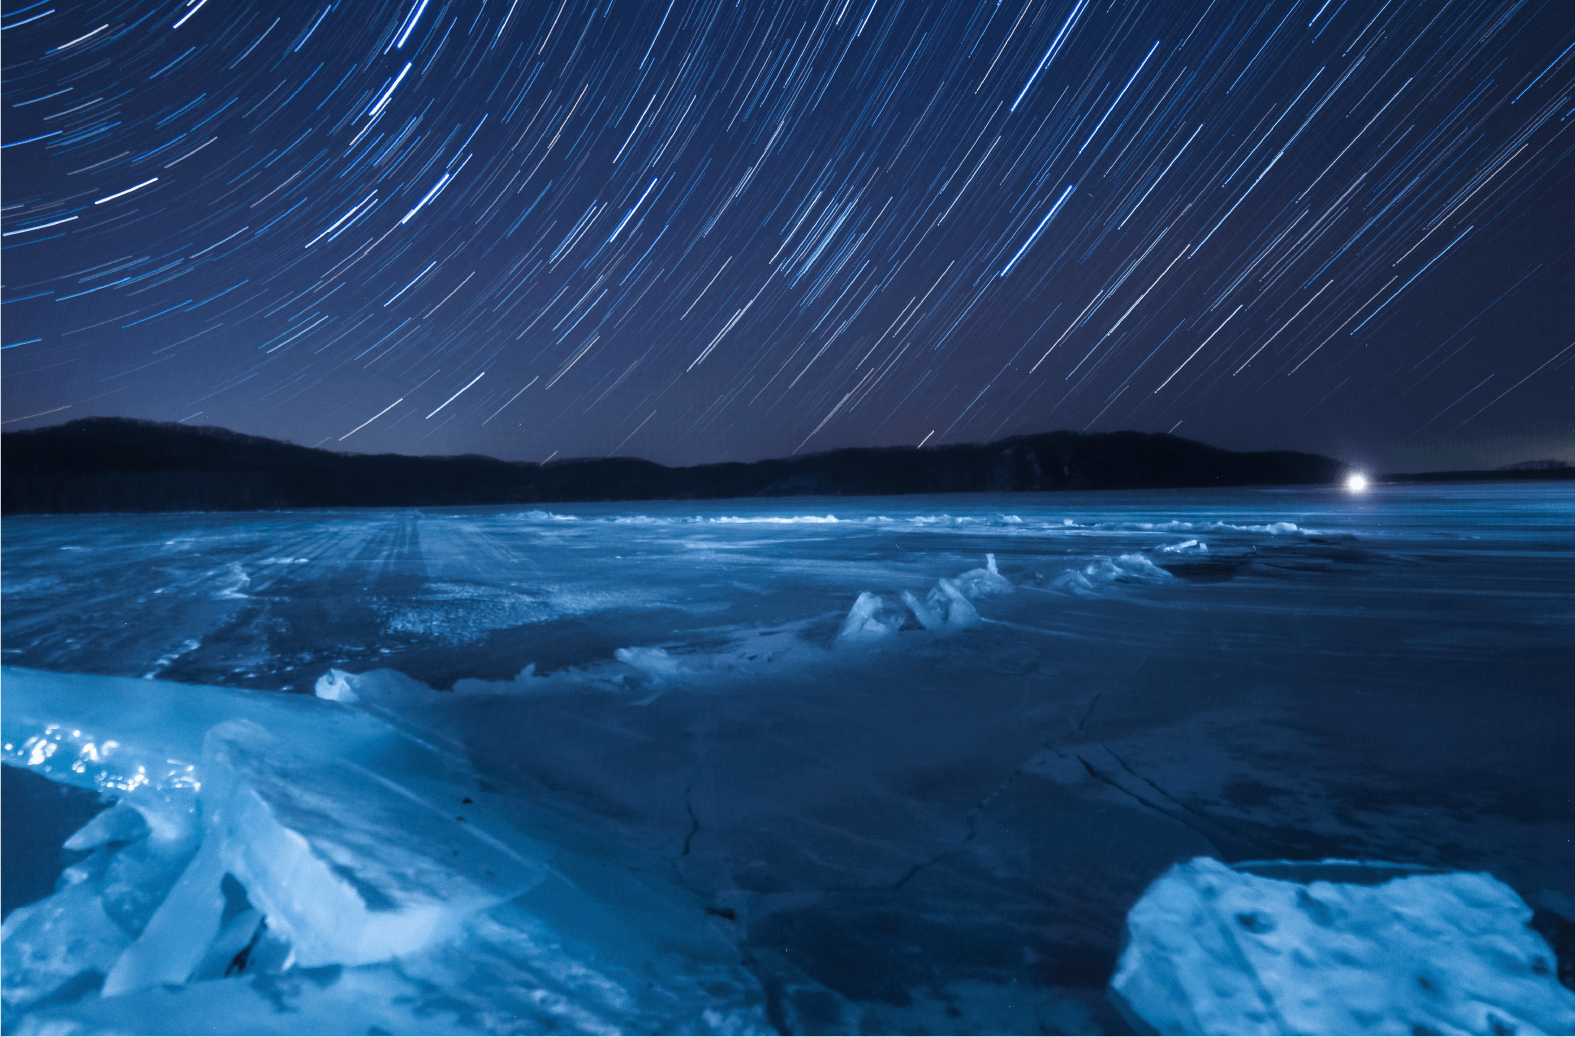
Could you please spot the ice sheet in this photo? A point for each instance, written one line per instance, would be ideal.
(938, 828)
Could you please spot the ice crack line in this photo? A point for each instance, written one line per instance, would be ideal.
(694, 822)
(1225, 843)
(1093, 705)
(1097, 776)
(1204, 818)
(971, 818)
(938, 857)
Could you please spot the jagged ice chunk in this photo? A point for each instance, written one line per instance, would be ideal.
(1212, 949)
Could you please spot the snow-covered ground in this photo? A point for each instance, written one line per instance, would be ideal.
(895, 764)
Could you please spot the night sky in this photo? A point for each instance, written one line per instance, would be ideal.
(701, 230)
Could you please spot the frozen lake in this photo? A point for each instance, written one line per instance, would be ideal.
(898, 828)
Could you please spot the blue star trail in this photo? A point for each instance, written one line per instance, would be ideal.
(699, 231)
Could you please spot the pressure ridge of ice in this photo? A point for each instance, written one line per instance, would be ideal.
(993, 523)
(947, 604)
(277, 835)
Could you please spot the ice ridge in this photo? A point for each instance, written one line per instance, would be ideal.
(948, 604)
(341, 862)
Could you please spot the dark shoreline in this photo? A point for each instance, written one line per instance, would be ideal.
(104, 465)
(119, 465)
(1490, 475)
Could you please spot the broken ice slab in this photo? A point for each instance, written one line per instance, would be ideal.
(976, 583)
(960, 612)
(873, 617)
(1335, 947)
(374, 686)
(870, 619)
(369, 999)
(63, 945)
(509, 972)
(655, 663)
(930, 617)
(58, 948)
(347, 834)
(120, 735)
(353, 865)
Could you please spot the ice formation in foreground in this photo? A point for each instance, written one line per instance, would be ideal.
(1214, 949)
(294, 863)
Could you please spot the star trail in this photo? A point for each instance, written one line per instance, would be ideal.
(696, 230)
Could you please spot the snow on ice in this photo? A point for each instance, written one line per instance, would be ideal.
(1211, 949)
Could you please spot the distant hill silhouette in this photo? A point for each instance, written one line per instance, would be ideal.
(125, 465)
(1526, 471)
(1551, 464)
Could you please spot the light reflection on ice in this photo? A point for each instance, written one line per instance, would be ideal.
(879, 760)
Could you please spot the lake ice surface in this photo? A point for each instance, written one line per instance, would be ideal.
(892, 764)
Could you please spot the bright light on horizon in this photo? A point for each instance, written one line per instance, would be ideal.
(1356, 482)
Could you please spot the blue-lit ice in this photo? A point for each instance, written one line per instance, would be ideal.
(893, 765)
(873, 617)
(300, 835)
(1211, 949)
